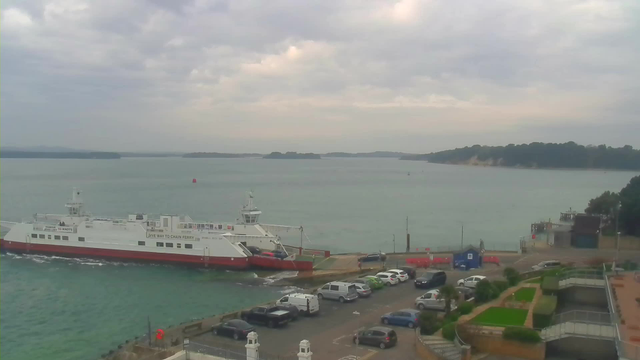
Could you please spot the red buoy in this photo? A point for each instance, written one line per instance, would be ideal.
(194, 180)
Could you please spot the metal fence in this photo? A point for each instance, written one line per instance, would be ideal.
(234, 353)
(589, 317)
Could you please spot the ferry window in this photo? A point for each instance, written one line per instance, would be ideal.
(65, 237)
(49, 237)
(41, 236)
(188, 246)
(169, 245)
(56, 237)
(178, 245)
(35, 236)
(159, 244)
(80, 238)
(141, 243)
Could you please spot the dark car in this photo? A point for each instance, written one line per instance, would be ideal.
(269, 315)
(379, 336)
(373, 257)
(409, 270)
(465, 292)
(254, 250)
(292, 309)
(431, 279)
(405, 317)
(236, 329)
(280, 254)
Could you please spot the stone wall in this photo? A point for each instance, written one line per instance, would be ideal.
(496, 345)
(626, 242)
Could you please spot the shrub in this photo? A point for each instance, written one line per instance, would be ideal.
(521, 334)
(501, 285)
(486, 291)
(452, 317)
(544, 310)
(512, 275)
(429, 323)
(550, 285)
(449, 331)
(465, 308)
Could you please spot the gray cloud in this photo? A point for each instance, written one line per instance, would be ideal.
(316, 75)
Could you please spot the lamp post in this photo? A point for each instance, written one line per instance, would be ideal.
(617, 232)
(356, 313)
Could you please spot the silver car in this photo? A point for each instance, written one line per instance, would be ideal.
(338, 290)
(433, 301)
(363, 290)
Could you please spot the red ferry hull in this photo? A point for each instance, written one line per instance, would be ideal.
(140, 256)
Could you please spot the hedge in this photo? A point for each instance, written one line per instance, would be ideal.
(550, 285)
(544, 310)
(521, 334)
(465, 308)
(501, 285)
(449, 331)
(486, 291)
(429, 323)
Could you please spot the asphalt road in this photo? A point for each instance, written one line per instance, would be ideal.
(331, 332)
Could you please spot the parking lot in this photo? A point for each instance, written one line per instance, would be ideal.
(331, 332)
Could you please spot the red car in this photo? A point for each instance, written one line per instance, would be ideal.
(266, 253)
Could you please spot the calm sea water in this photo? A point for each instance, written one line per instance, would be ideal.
(78, 309)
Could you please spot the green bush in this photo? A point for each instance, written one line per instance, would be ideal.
(465, 308)
(429, 323)
(449, 331)
(550, 285)
(521, 334)
(452, 317)
(512, 275)
(501, 285)
(486, 291)
(544, 310)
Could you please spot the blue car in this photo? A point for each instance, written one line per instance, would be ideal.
(405, 317)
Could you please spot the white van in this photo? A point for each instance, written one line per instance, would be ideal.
(306, 303)
(338, 290)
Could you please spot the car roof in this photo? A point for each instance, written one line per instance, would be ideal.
(399, 270)
(386, 273)
(435, 291)
(380, 328)
(337, 283)
(433, 271)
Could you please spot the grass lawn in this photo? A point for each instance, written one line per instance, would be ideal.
(533, 281)
(497, 316)
(525, 294)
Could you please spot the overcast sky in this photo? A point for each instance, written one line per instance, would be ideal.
(303, 75)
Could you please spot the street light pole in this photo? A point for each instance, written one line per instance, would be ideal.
(617, 232)
(394, 243)
(357, 314)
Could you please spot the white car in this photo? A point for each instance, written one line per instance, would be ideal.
(471, 281)
(433, 301)
(388, 278)
(402, 276)
(546, 265)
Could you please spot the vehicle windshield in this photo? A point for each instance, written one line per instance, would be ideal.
(427, 276)
(366, 287)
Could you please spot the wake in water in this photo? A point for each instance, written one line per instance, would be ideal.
(47, 259)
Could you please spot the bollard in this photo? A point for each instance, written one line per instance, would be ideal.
(305, 350)
(252, 346)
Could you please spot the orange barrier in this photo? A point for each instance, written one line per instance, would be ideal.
(427, 262)
(491, 260)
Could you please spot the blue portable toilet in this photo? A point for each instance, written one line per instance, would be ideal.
(467, 258)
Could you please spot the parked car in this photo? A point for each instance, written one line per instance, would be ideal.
(430, 279)
(306, 303)
(546, 265)
(410, 271)
(292, 309)
(471, 281)
(254, 250)
(402, 276)
(268, 315)
(372, 284)
(338, 290)
(433, 301)
(373, 257)
(405, 317)
(465, 292)
(363, 290)
(280, 254)
(388, 278)
(377, 283)
(379, 336)
(237, 329)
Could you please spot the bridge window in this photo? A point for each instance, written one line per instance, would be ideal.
(178, 245)
(80, 238)
(169, 244)
(56, 237)
(35, 236)
(41, 236)
(49, 237)
(159, 244)
(65, 237)
(141, 243)
(188, 246)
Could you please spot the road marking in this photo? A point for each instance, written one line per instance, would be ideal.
(335, 341)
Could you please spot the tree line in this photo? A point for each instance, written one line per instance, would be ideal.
(625, 206)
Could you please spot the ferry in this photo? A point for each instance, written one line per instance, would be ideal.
(175, 239)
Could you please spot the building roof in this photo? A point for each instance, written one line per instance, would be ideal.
(466, 249)
(586, 224)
